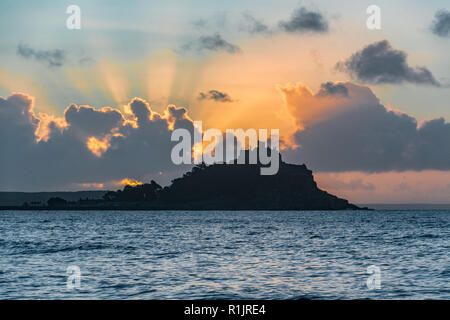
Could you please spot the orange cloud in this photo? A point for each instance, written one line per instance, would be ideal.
(129, 182)
(46, 122)
(97, 146)
(308, 108)
(92, 185)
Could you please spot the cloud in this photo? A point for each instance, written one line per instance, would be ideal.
(302, 20)
(441, 23)
(215, 95)
(308, 108)
(85, 146)
(51, 58)
(305, 20)
(254, 26)
(211, 43)
(379, 63)
(331, 181)
(331, 89)
(218, 21)
(358, 133)
(88, 121)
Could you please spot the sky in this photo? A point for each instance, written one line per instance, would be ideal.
(367, 110)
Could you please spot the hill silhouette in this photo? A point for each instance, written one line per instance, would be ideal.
(234, 187)
(216, 187)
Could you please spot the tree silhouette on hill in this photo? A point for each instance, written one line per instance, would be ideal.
(145, 192)
(56, 202)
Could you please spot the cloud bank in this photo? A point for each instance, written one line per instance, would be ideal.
(86, 145)
(357, 133)
(343, 127)
(379, 63)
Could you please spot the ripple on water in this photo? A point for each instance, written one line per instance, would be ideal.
(225, 255)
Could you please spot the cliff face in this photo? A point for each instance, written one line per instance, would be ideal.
(241, 187)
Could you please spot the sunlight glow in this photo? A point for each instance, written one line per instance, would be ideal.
(130, 182)
(97, 146)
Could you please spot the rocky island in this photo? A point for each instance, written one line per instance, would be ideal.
(218, 187)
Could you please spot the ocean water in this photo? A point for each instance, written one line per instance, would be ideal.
(224, 255)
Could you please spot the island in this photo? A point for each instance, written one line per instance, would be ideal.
(215, 187)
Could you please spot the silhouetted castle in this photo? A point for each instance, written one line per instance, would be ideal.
(233, 187)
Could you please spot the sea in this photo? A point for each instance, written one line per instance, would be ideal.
(225, 254)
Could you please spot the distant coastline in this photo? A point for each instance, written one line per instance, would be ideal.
(372, 207)
(407, 206)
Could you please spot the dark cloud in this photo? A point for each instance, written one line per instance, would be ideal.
(363, 135)
(211, 43)
(330, 88)
(305, 20)
(88, 121)
(254, 26)
(51, 58)
(441, 23)
(86, 145)
(215, 95)
(217, 22)
(379, 63)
